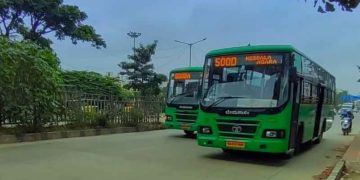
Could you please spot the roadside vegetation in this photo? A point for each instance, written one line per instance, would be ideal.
(36, 95)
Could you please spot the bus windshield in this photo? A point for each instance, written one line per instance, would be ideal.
(245, 83)
(183, 88)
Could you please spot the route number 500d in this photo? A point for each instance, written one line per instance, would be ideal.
(225, 61)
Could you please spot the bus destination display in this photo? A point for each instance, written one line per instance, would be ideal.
(248, 59)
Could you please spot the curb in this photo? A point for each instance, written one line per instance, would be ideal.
(337, 171)
(32, 137)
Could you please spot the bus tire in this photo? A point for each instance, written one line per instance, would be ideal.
(288, 155)
(189, 133)
(320, 137)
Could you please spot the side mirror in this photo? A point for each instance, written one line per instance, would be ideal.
(293, 74)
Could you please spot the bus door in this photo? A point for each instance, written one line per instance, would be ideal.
(320, 101)
(296, 88)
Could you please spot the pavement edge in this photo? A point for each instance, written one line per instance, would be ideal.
(31, 137)
(350, 160)
(336, 173)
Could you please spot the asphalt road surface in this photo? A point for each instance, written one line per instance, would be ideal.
(164, 154)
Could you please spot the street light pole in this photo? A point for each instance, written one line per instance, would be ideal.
(134, 35)
(190, 46)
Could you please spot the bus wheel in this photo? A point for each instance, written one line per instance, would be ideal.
(189, 133)
(288, 155)
(318, 140)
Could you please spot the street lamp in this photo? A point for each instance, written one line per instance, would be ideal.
(190, 45)
(134, 35)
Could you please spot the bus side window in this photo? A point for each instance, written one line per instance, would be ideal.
(314, 94)
(306, 66)
(298, 62)
(306, 92)
(326, 96)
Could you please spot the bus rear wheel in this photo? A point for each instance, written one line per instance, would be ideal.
(318, 140)
(320, 137)
(288, 155)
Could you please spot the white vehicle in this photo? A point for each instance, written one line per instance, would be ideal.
(357, 106)
(346, 107)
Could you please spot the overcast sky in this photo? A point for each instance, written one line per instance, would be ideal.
(332, 39)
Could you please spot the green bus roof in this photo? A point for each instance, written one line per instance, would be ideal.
(187, 69)
(257, 48)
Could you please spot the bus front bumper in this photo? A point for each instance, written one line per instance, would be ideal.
(254, 145)
(181, 126)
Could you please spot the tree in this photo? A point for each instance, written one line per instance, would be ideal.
(94, 83)
(140, 71)
(33, 19)
(329, 5)
(339, 95)
(29, 83)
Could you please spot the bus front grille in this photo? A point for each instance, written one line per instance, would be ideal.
(186, 116)
(237, 128)
(236, 135)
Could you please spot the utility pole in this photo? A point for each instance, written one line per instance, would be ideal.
(134, 35)
(190, 45)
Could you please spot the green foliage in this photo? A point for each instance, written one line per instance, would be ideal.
(29, 83)
(329, 5)
(33, 19)
(94, 83)
(140, 71)
(338, 96)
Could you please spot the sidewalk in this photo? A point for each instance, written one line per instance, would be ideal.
(352, 159)
(352, 155)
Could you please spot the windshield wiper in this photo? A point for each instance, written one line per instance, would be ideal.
(179, 95)
(222, 99)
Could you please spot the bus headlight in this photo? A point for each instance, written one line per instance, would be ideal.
(168, 118)
(274, 134)
(205, 130)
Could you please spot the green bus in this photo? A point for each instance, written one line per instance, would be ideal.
(266, 98)
(182, 102)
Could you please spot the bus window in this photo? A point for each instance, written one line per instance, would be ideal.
(307, 89)
(297, 62)
(306, 64)
(314, 93)
(179, 86)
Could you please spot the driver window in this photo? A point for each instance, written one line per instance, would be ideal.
(179, 88)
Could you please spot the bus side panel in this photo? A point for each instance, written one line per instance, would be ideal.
(327, 112)
(307, 115)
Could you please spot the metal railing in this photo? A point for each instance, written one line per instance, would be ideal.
(95, 110)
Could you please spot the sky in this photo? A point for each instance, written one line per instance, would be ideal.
(332, 39)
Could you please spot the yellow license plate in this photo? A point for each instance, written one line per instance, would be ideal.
(235, 144)
(185, 126)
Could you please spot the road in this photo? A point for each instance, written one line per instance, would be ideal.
(164, 154)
